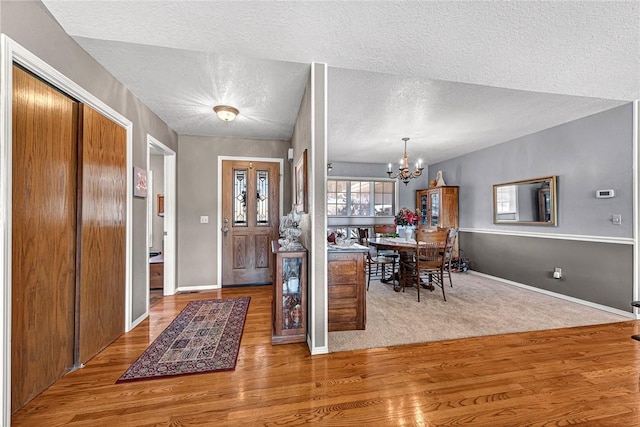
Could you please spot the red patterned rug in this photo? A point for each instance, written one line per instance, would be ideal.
(204, 337)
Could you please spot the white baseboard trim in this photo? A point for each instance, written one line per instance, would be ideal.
(319, 350)
(198, 288)
(561, 296)
(575, 237)
(137, 321)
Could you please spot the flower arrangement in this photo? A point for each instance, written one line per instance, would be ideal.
(406, 216)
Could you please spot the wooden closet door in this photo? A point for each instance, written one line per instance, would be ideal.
(43, 236)
(101, 285)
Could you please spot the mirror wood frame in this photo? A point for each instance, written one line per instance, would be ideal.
(553, 210)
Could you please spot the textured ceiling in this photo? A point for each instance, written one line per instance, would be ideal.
(453, 76)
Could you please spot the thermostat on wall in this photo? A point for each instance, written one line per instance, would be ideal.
(605, 194)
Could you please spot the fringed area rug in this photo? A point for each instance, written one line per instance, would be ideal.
(204, 337)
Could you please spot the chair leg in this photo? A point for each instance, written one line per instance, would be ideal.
(442, 283)
(393, 275)
(369, 277)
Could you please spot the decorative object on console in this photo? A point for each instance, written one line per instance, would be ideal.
(404, 174)
(290, 231)
(440, 180)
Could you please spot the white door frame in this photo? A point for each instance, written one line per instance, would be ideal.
(11, 52)
(218, 284)
(636, 206)
(169, 250)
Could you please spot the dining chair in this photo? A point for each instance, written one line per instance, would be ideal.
(375, 259)
(386, 229)
(429, 260)
(452, 234)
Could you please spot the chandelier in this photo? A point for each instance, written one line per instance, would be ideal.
(404, 174)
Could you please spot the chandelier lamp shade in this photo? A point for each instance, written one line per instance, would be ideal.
(404, 174)
(225, 112)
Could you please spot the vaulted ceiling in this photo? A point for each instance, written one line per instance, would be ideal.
(454, 76)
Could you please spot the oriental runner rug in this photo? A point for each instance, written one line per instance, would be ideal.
(204, 337)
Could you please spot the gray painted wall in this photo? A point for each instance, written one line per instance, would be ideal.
(594, 152)
(30, 24)
(197, 182)
(598, 272)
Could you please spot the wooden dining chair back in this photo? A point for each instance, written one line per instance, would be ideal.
(429, 259)
(363, 235)
(452, 235)
(384, 229)
(375, 259)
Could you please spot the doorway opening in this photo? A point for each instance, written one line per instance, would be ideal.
(161, 211)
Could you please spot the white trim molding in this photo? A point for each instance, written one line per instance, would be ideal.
(219, 236)
(12, 52)
(575, 237)
(636, 199)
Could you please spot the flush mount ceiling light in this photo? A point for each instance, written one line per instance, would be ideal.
(225, 112)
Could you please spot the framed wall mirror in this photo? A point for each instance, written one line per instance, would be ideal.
(528, 202)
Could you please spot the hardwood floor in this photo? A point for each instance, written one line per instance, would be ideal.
(580, 376)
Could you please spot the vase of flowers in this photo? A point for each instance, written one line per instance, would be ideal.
(406, 221)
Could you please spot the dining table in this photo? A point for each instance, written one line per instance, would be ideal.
(406, 249)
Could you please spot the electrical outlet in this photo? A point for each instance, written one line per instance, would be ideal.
(204, 220)
(616, 219)
(557, 273)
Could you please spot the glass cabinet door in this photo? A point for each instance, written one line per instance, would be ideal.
(291, 283)
(435, 209)
(423, 206)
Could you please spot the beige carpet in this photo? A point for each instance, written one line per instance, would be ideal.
(475, 306)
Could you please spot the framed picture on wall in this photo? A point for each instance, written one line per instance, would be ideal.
(139, 182)
(300, 176)
(160, 203)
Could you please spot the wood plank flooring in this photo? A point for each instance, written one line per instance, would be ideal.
(587, 376)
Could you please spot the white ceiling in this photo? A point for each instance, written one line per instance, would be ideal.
(454, 76)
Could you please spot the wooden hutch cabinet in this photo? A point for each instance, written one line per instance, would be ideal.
(289, 305)
(438, 206)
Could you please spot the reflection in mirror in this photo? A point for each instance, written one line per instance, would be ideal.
(530, 201)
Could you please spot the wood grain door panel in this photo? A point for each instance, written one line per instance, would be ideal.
(43, 236)
(246, 246)
(101, 285)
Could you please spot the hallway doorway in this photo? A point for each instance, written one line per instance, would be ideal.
(161, 164)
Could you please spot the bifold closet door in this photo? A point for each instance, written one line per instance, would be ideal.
(101, 285)
(43, 246)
